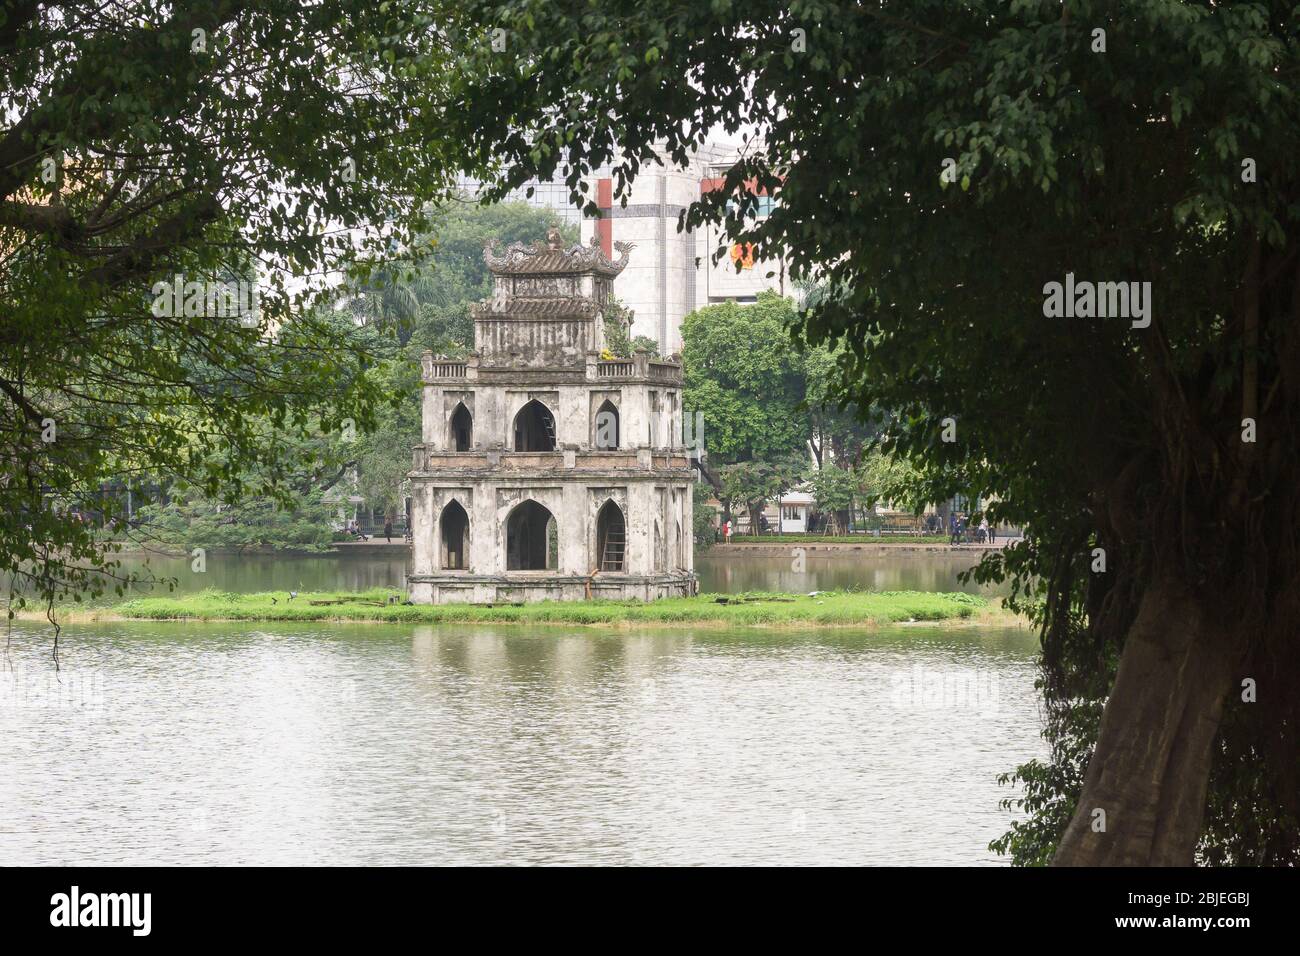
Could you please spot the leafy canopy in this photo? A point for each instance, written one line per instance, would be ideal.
(278, 144)
(939, 164)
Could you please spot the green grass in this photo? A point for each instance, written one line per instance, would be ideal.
(742, 610)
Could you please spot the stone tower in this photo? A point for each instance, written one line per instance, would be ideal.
(545, 471)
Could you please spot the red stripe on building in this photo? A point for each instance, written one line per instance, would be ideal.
(606, 237)
(604, 226)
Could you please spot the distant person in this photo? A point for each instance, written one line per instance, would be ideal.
(984, 528)
(952, 528)
(993, 533)
(388, 530)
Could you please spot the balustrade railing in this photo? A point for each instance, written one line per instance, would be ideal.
(447, 370)
(665, 371)
(614, 369)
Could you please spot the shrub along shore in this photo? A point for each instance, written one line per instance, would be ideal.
(753, 609)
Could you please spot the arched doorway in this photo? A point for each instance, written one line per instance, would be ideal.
(534, 428)
(679, 554)
(606, 427)
(659, 548)
(610, 538)
(462, 428)
(453, 526)
(532, 539)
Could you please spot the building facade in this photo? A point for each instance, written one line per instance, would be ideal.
(675, 272)
(545, 471)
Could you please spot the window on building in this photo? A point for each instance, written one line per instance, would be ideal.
(462, 428)
(606, 437)
(531, 538)
(610, 538)
(763, 209)
(534, 428)
(454, 533)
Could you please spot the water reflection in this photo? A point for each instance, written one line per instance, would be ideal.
(381, 744)
(927, 571)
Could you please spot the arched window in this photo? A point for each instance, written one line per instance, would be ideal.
(659, 548)
(462, 428)
(532, 539)
(610, 537)
(534, 428)
(606, 427)
(679, 554)
(454, 534)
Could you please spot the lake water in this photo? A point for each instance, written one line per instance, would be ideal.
(935, 571)
(342, 744)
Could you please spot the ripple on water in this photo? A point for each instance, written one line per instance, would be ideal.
(176, 743)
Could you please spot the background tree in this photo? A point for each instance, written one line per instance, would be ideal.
(943, 164)
(744, 374)
(764, 398)
(838, 432)
(191, 520)
(753, 484)
(619, 341)
(836, 491)
(144, 142)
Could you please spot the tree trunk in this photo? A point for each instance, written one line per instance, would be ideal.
(1151, 766)
(843, 520)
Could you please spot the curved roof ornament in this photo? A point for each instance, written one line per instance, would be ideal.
(624, 253)
(549, 257)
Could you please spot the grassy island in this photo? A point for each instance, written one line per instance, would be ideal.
(753, 609)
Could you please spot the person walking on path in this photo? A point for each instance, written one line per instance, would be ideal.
(388, 530)
(952, 528)
(984, 528)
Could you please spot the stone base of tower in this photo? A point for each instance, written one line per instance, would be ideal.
(524, 586)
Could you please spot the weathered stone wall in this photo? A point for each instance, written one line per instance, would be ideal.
(575, 504)
(649, 415)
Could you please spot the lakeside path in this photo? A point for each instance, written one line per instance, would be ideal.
(737, 549)
(755, 609)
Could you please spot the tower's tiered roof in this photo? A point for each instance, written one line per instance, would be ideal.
(553, 258)
(547, 305)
